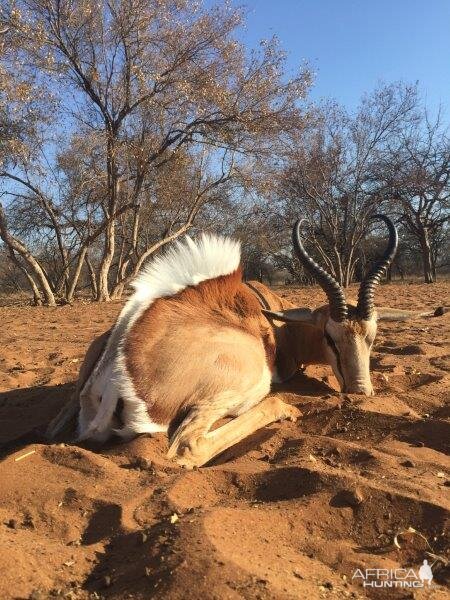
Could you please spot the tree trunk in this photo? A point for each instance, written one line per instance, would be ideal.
(426, 256)
(91, 276)
(340, 278)
(49, 209)
(110, 232)
(117, 292)
(72, 285)
(349, 262)
(348, 274)
(108, 254)
(37, 298)
(433, 266)
(17, 246)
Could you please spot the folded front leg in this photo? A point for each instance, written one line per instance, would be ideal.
(194, 445)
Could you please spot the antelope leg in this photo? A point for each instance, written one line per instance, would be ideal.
(195, 449)
(65, 421)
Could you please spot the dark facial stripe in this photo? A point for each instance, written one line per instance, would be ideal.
(333, 347)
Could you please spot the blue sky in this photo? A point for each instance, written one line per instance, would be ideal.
(354, 44)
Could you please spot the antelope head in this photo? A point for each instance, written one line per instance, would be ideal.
(348, 331)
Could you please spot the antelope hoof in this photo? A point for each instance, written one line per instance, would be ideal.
(290, 413)
(191, 454)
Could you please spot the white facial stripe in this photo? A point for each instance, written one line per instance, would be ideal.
(348, 347)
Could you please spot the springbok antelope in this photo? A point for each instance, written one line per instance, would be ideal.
(194, 343)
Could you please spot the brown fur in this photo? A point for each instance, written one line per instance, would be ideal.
(296, 344)
(208, 351)
(90, 360)
(184, 323)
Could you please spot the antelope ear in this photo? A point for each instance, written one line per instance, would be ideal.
(292, 315)
(395, 314)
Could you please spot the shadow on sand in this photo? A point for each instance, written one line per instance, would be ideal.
(25, 412)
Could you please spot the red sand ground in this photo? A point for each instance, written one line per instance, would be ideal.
(289, 513)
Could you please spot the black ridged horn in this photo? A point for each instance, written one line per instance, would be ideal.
(366, 305)
(334, 292)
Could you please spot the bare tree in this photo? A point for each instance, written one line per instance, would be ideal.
(330, 176)
(22, 110)
(179, 190)
(417, 172)
(16, 246)
(142, 82)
